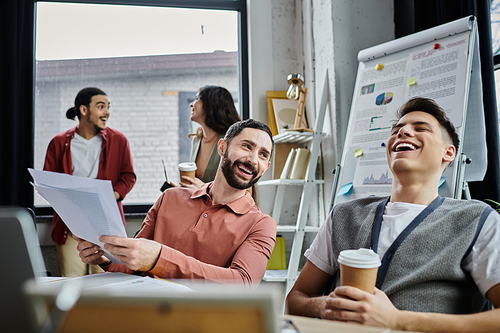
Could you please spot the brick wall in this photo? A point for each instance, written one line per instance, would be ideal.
(144, 106)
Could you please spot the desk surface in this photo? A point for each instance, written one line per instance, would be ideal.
(120, 284)
(313, 325)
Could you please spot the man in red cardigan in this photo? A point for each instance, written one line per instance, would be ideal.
(89, 150)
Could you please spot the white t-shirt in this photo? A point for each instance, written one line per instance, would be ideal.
(85, 156)
(483, 262)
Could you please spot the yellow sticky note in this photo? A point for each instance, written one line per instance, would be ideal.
(358, 152)
(412, 81)
(379, 66)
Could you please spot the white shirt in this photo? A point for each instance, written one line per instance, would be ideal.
(85, 156)
(483, 262)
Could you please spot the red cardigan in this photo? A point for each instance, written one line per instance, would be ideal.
(115, 165)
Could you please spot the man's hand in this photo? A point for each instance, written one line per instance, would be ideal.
(90, 253)
(354, 305)
(190, 182)
(138, 254)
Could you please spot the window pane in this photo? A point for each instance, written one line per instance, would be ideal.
(497, 89)
(495, 26)
(150, 61)
(495, 36)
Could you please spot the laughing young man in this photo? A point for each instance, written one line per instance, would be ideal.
(440, 256)
(215, 232)
(89, 150)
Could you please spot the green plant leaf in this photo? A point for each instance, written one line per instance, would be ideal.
(497, 205)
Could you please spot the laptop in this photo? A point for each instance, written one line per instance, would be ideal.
(21, 260)
(209, 309)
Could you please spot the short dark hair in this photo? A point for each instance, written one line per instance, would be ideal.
(218, 108)
(429, 106)
(236, 129)
(84, 97)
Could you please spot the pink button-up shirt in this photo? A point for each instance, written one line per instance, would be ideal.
(223, 242)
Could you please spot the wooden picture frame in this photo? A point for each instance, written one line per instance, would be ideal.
(273, 115)
(272, 94)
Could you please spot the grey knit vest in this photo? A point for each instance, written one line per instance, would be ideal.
(422, 269)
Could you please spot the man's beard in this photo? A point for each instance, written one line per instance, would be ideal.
(227, 170)
(97, 129)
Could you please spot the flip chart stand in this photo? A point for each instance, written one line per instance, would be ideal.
(462, 187)
(441, 63)
(336, 173)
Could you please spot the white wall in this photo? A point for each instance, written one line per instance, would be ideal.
(310, 37)
(340, 29)
(274, 49)
(274, 52)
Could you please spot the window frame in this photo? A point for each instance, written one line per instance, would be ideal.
(496, 62)
(240, 6)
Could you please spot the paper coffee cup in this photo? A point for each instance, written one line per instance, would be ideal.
(187, 169)
(358, 268)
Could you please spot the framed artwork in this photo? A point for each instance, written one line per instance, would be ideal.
(281, 111)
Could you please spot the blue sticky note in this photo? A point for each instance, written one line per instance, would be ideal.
(441, 181)
(345, 189)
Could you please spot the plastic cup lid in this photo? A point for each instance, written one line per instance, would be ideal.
(187, 166)
(362, 258)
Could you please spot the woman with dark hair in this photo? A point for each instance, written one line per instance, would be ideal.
(212, 108)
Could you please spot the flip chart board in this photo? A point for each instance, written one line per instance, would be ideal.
(441, 63)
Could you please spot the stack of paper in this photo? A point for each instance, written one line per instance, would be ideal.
(87, 206)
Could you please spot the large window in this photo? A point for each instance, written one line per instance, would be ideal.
(150, 61)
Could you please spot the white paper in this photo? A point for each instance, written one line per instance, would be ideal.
(275, 275)
(435, 68)
(143, 284)
(87, 206)
(120, 283)
(474, 141)
(440, 74)
(373, 176)
(379, 95)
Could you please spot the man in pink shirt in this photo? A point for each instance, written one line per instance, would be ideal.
(215, 232)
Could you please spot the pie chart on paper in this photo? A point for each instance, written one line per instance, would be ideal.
(384, 98)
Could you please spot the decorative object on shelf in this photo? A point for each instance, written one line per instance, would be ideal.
(296, 91)
(280, 155)
(298, 228)
(281, 111)
(278, 256)
(299, 165)
(288, 164)
(296, 164)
